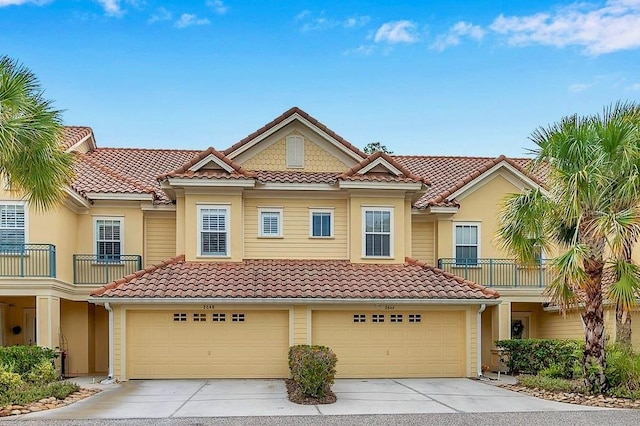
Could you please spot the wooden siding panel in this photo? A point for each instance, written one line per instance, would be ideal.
(160, 239)
(422, 242)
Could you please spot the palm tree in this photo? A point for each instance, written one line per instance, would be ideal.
(590, 209)
(31, 159)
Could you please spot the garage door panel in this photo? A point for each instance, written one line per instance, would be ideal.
(433, 347)
(159, 347)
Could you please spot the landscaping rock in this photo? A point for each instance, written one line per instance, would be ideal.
(577, 398)
(47, 403)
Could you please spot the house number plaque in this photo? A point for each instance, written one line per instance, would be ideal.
(208, 307)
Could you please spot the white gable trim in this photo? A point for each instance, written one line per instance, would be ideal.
(380, 185)
(283, 124)
(380, 162)
(523, 181)
(242, 183)
(80, 142)
(211, 158)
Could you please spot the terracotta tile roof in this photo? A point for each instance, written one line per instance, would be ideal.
(449, 174)
(294, 279)
(71, 135)
(125, 170)
(184, 172)
(283, 117)
(407, 176)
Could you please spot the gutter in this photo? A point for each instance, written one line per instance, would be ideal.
(109, 380)
(287, 300)
(479, 339)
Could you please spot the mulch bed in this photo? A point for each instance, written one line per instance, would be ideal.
(46, 403)
(576, 398)
(295, 395)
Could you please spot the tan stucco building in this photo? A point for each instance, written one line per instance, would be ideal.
(186, 263)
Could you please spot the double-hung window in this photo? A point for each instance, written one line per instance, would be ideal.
(270, 222)
(108, 239)
(12, 227)
(467, 243)
(378, 236)
(213, 232)
(321, 223)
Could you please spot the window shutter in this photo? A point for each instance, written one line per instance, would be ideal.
(295, 151)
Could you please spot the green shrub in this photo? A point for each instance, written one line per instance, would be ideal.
(550, 383)
(313, 368)
(29, 393)
(41, 373)
(623, 371)
(560, 358)
(9, 382)
(554, 371)
(22, 359)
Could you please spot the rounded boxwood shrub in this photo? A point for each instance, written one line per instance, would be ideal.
(313, 368)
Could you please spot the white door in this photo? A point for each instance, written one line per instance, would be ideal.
(29, 326)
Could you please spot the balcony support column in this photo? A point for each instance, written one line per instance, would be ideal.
(500, 330)
(48, 321)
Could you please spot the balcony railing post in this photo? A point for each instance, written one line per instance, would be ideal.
(491, 272)
(515, 274)
(52, 261)
(22, 256)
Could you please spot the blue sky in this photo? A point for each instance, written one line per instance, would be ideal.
(437, 77)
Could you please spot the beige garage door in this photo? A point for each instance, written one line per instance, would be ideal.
(207, 344)
(398, 344)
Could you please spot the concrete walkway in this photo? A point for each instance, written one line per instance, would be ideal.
(228, 398)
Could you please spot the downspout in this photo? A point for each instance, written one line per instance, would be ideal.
(479, 339)
(109, 378)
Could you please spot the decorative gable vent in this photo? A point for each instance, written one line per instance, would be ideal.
(295, 151)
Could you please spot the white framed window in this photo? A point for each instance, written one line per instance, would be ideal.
(377, 223)
(13, 225)
(213, 230)
(108, 238)
(270, 222)
(466, 243)
(295, 151)
(321, 223)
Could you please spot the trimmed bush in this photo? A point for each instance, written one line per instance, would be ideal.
(313, 368)
(22, 359)
(9, 382)
(558, 358)
(41, 373)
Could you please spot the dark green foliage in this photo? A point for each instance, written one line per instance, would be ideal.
(557, 358)
(623, 371)
(313, 368)
(550, 383)
(23, 359)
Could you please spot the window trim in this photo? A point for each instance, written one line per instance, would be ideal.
(280, 212)
(331, 212)
(467, 223)
(120, 219)
(25, 207)
(199, 229)
(366, 209)
(292, 138)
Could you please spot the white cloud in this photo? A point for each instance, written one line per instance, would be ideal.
(363, 50)
(111, 7)
(218, 6)
(455, 33)
(634, 87)
(578, 87)
(5, 3)
(598, 29)
(189, 19)
(317, 22)
(161, 14)
(397, 32)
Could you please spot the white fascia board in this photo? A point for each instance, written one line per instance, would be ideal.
(209, 158)
(119, 196)
(445, 210)
(241, 183)
(80, 142)
(380, 162)
(380, 185)
(284, 123)
(283, 300)
(297, 186)
(501, 165)
(77, 198)
(158, 207)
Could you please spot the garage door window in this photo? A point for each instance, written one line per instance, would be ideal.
(377, 318)
(218, 317)
(415, 318)
(199, 317)
(359, 318)
(395, 318)
(180, 317)
(237, 317)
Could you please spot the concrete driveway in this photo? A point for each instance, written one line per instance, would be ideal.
(225, 398)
